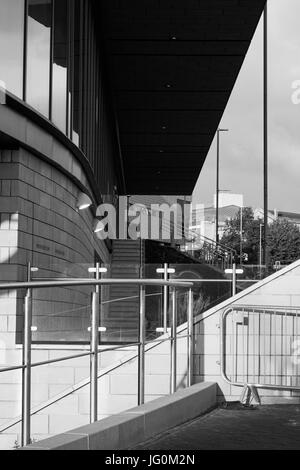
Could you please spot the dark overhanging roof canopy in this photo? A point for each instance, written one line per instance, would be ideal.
(173, 65)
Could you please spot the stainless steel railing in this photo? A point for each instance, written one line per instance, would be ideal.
(94, 352)
(260, 348)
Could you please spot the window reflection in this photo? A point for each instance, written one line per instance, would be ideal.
(11, 45)
(60, 64)
(38, 54)
(62, 70)
(62, 94)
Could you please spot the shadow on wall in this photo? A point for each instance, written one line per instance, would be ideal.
(59, 315)
(206, 295)
(12, 268)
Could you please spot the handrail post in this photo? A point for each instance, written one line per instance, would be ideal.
(166, 298)
(190, 339)
(174, 343)
(141, 353)
(94, 357)
(26, 379)
(234, 279)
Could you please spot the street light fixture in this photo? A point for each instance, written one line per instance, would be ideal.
(83, 202)
(98, 226)
(218, 182)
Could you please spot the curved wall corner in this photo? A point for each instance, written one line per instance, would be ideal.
(40, 181)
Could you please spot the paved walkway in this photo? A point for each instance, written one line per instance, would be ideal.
(235, 428)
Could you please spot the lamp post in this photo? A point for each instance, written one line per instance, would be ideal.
(265, 134)
(218, 182)
(260, 249)
(241, 240)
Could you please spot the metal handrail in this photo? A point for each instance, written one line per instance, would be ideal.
(27, 364)
(92, 283)
(45, 363)
(76, 388)
(250, 309)
(260, 308)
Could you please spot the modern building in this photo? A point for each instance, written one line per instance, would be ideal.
(203, 220)
(276, 214)
(98, 99)
(227, 198)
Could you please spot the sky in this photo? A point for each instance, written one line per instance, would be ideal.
(241, 149)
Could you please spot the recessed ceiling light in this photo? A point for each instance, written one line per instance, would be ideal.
(173, 38)
(164, 128)
(161, 151)
(168, 85)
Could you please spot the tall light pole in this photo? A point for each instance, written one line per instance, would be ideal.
(260, 249)
(218, 182)
(266, 179)
(241, 239)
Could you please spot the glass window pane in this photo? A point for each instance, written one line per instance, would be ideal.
(38, 54)
(60, 64)
(11, 45)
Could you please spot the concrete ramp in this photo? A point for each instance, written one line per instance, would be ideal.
(274, 427)
(132, 427)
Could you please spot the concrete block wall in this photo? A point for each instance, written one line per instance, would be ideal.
(279, 290)
(117, 390)
(137, 424)
(39, 223)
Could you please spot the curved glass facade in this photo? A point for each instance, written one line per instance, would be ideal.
(12, 45)
(39, 30)
(50, 57)
(60, 65)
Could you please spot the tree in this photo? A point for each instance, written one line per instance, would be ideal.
(283, 238)
(283, 242)
(250, 234)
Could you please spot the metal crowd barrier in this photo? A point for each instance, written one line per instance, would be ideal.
(260, 349)
(94, 352)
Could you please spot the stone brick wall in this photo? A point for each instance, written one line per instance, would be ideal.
(117, 387)
(279, 290)
(39, 223)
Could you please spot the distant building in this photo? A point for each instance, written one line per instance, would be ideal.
(275, 214)
(204, 219)
(227, 198)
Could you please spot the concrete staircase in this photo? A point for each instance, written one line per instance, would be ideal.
(120, 317)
